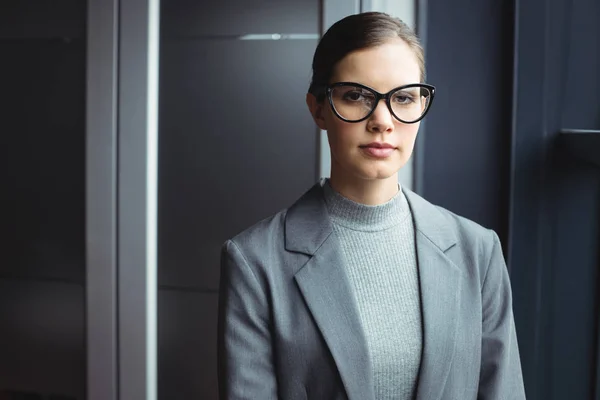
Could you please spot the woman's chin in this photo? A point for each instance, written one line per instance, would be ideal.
(379, 170)
(367, 169)
(378, 173)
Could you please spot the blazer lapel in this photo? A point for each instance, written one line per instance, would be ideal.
(440, 284)
(326, 290)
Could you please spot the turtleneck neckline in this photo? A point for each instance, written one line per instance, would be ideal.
(362, 217)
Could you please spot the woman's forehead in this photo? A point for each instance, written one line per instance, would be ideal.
(382, 67)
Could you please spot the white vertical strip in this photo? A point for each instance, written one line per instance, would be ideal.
(138, 152)
(324, 155)
(403, 9)
(152, 198)
(333, 11)
(406, 11)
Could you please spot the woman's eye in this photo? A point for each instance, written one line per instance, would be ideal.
(354, 96)
(404, 98)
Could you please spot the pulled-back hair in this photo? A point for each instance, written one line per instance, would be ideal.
(356, 32)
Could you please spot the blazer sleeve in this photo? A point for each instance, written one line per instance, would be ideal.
(244, 347)
(501, 376)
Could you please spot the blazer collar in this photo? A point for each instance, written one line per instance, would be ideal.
(430, 221)
(325, 287)
(307, 223)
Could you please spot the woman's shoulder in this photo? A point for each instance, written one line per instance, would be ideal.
(262, 232)
(470, 236)
(272, 228)
(465, 227)
(442, 216)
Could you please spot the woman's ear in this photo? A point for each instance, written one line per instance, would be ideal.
(316, 110)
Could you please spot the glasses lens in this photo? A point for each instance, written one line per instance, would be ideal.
(409, 104)
(352, 103)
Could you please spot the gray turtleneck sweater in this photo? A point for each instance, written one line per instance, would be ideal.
(378, 243)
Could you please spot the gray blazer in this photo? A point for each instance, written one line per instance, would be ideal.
(289, 326)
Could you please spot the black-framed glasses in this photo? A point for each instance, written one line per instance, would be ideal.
(354, 102)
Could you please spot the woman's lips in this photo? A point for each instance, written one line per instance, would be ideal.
(377, 151)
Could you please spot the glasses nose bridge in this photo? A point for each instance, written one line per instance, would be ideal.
(386, 99)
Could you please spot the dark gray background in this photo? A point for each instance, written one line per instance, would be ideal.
(42, 164)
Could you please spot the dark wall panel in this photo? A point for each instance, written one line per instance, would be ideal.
(574, 289)
(581, 87)
(42, 168)
(43, 158)
(467, 138)
(238, 17)
(42, 19)
(187, 345)
(42, 338)
(236, 144)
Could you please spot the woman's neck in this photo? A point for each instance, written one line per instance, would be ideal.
(365, 191)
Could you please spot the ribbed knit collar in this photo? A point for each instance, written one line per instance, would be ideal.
(362, 217)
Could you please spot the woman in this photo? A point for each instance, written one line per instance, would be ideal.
(361, 289)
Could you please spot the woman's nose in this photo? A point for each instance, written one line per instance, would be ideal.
(381, 120)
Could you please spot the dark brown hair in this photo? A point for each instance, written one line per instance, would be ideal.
(355, 32)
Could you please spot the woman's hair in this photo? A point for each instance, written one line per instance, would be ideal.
(355, 32)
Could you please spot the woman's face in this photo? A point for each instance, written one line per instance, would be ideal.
(382, 68)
